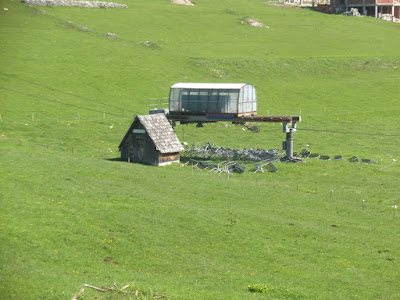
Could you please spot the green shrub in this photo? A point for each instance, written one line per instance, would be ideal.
(257, 288)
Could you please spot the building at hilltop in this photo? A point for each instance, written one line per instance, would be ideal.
(151, 140)
(372, 8)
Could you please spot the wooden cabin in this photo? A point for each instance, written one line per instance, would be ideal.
(151, 140)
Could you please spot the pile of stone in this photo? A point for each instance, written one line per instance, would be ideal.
(388, 17)
(95, 4)
(182, 2)
(352, 13)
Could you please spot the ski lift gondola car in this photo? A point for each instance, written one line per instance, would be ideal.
(210, 102)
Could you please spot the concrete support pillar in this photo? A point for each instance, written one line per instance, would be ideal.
(376, 11)
(393, 13)
(289, 144)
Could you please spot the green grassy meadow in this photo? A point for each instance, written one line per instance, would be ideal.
(73, 214)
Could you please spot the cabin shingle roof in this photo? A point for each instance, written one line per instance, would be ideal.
(159, 130)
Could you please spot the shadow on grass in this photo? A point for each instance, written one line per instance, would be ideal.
(115, 159)
(185, 159)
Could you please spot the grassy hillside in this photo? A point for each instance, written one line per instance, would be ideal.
(73, 214)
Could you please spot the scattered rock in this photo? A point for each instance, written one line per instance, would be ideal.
(338, 157)
(325, 157)
(254, 23)
(111, 35)
(83, 28)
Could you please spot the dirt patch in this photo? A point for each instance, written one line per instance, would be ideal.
(110, 260)
(182, 2)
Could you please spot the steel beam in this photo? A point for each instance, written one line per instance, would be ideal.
(204, 119)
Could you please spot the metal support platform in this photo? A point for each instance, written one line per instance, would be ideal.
(287, 145)
(208, 118)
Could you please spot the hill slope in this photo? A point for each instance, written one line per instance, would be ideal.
(73, 214)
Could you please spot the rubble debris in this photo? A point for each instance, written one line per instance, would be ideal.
(293, 160)
(353, 12)
(259, 168)
(95, 4)
(252, 22)
(210, 151)
(304, 153)
(229, 167)
(271, 167)
(389, 17)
